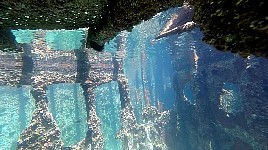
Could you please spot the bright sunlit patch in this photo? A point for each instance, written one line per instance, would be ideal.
(108, 108)
(230, 98)
(66, 103)
(23, 36)
(188, 94)
(65, 39)
(16, 108)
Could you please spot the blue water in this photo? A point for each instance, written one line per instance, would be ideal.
(215, 98)
(15, 113)
(67, 106)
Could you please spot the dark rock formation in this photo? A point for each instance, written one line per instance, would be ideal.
(103, 18)
(239, 26)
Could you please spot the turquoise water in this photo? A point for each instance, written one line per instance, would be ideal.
(213, 100)
(68, 107)
(17, 106)
(108, 108)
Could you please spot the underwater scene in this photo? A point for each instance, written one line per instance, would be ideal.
(143, 92)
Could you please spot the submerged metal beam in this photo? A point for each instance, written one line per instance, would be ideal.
(39, 66)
